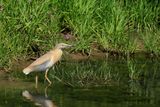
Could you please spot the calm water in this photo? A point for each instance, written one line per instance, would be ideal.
(126, 92)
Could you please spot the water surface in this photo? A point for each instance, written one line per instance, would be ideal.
(134, 83)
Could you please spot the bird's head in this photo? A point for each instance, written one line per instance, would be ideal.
(62, 46)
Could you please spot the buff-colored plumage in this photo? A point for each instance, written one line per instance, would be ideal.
(45, 62)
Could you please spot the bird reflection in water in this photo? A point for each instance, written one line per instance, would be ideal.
(39, 100)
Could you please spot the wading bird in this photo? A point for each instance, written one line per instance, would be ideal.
(45, 62)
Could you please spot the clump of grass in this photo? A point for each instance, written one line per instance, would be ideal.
(78, 74)
(111, 22)
(78, 16)
(143, 14)
(151, 41)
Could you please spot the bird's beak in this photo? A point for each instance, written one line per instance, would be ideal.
(69, 46)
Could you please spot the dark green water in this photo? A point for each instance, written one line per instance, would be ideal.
(134, 83)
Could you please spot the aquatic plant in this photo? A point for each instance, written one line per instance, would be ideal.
(134, 73)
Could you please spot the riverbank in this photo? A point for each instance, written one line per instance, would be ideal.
(31, 28)
(95, 54)
(96, 70)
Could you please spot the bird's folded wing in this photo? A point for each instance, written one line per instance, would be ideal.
(43, 66)
(46, 57)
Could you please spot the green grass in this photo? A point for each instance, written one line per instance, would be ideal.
(114, 25)
(151, 40)
(83, 74)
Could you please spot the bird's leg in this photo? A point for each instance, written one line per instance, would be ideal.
(36, 79)
(47, 77)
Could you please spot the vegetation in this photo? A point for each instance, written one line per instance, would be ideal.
(114, 25)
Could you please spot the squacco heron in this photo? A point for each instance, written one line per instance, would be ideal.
(45, 62)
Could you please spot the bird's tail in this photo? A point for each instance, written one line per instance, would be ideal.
(27, 71)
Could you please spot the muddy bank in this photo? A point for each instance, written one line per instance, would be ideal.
(95, 54)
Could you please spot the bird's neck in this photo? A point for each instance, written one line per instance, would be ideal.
(56, 55)
(56, 49)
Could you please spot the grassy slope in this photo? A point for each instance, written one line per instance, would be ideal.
(114, 25)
